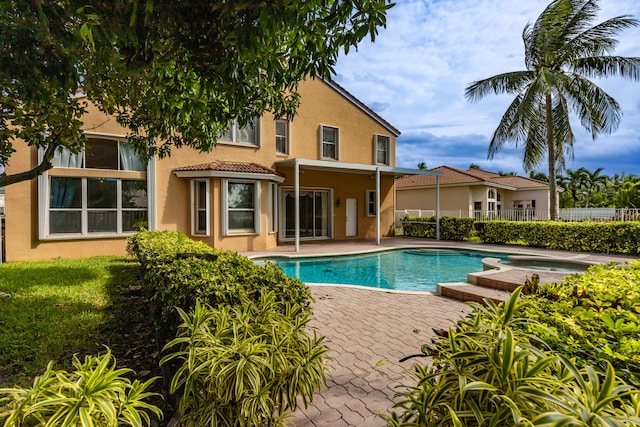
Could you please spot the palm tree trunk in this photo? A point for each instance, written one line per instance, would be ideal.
(551, 152)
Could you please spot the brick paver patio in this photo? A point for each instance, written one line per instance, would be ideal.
(368, 332)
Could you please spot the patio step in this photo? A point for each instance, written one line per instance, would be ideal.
(466, 292)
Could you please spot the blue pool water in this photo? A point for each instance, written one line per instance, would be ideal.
(401, 269)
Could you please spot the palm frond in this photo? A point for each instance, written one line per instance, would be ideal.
(548, 33)
(607, 66)
(597, 110)
(579, 17)
(563, 133)
(597, 40)
(520, 121)
(534, 149)
(512, 82)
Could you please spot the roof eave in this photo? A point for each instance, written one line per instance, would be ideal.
(225, 174)
(363, 107)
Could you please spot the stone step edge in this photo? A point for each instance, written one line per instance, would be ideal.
(468, 292)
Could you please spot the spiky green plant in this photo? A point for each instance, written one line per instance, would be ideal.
(247, 364)
(95, 394)
(487, 372)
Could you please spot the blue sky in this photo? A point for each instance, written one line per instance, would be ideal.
(415, 73)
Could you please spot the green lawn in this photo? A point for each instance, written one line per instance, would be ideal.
(56, 309)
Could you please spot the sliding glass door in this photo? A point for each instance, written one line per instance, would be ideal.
(314, 214)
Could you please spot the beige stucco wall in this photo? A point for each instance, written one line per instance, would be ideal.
(320, 105)
(451, 198)
(541, 198)
(462, 198)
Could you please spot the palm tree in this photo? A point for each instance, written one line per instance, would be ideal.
(540, 176)
(573, 183)
(562, 51)
(422, 166)
(593, 182)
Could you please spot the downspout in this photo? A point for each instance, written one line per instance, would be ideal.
(296, 177)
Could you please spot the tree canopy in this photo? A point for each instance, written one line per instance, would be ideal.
(563, 50)
(174, 72)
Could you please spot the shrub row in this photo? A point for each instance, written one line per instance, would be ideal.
(242, 355)
(450, 228)
(177, 271)
(611, 237)
(593, 317)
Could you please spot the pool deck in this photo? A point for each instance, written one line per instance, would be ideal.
(368, 331)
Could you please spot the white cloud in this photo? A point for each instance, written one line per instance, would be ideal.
(415, 74)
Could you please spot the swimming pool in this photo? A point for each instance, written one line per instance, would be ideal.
(399, 269)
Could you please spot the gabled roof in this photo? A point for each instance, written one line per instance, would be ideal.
(221, 168)
(362, 106)
(453, 176)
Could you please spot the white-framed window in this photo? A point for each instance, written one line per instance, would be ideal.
(86, 206)
(329, 143)
(371, 203)
(241, 206)
(200, 207)
(282, 136)
(382, 149)
(245, 135)
(273, 207)
(101, 153)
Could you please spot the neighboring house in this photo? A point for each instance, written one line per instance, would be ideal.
(474, 193)
(336, 154)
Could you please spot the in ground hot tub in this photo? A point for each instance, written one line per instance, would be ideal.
(563, 265)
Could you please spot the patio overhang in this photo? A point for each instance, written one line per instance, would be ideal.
(377, 170)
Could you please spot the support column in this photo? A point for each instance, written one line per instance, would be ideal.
(377, 206)
(437, 207)
(296, 177)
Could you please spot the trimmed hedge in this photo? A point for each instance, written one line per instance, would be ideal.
(177, 274)
(593, 317)
(450, 228)
(610, 237)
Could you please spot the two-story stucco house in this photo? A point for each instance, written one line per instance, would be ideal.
(327, 174)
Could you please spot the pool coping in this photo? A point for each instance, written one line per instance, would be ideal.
(490, 268)
(355, 247)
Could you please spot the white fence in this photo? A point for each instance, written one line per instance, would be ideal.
(573, 214)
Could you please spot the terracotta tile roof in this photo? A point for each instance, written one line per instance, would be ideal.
(222, 166)
(520, 182)
(452, 176)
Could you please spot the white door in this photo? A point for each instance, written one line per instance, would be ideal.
(352, 217)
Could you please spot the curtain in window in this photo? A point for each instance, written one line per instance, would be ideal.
(129, 159)
(63, 192)
(247, 134)
(63, 158)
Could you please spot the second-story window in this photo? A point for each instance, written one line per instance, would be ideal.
(330, 142)
(100, 153)
(382, 147)
(247, 134)
(282, 136)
